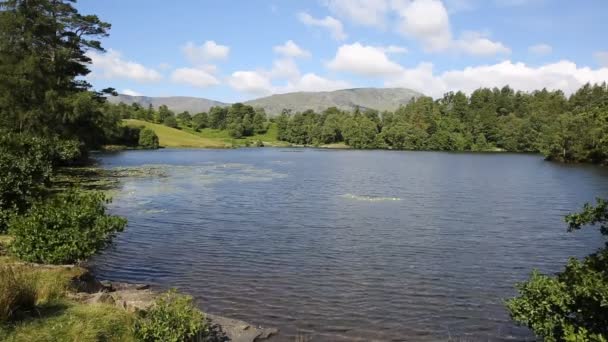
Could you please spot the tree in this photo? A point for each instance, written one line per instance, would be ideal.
(170, 121)
(148, 139)
(43, 58)
(200, 121)
(572, 305)
(185, 119)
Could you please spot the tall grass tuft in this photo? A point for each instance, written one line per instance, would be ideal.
(18, 291)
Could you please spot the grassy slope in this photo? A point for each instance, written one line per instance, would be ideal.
(171, 137)
(209, 138)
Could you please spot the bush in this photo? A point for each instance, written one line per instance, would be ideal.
(17, 291)
(172, 318)
(170, 121)
(148, 139)
(66, 228)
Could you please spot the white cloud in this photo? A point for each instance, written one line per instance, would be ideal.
(209, 50)
(394, 49)
(425, 20)
(197, 77)
(284, 68)
(602, 58)
(111, 65)
(362, 12)
(474, 43)
(363, 60)
(291, 49)
(130, 92)
(540, 49)
(252, 82)
(330, 23)
(313, 82)
(564, 75)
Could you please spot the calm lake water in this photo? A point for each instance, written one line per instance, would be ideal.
(349, 245)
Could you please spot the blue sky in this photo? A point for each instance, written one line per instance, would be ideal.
(238, 50)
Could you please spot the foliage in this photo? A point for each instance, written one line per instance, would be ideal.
(17, 292)
(42, 63)
(65, 228)
(25, 168)
(148, 139)
(173, 318)
(573, 306)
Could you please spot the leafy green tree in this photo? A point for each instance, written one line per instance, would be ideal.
(170, 121)
(185, 119)
(148, 139)
(43, 58)
(572, 305)
(200, 121)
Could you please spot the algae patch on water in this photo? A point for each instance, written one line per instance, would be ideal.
(370, 198)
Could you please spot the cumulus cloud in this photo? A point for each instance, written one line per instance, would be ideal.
(362, 12)
(425, 20)
(251, 82)
(475, 43)
(330, 23)
(111, 65)
(363, 60)
(291, 49)
(209, 50)
(197, 77)
(312, 82)
(564, 75)
(540, 49)
(394, 49)
(284, 68)
(130, 92)
(602, 58)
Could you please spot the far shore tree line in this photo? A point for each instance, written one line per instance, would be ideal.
(566, 129)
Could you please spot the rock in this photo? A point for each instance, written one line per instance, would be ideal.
(87, 283)
(127, 286)
(101, 298)
(107, 285)
(239, 331)
(134, 300)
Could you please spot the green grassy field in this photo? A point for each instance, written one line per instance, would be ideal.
(205, 138)
(171, 137)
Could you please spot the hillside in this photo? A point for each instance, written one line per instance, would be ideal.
(347, 99)
(171, 137)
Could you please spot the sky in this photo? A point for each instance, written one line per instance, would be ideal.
(243, 49)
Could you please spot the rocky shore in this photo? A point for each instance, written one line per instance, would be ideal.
(139, 297)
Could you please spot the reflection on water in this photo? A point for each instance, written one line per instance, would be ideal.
(348, 245)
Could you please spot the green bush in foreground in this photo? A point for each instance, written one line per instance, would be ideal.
(18, 291)
(172, 318)
(66, 228)
(573, 306)
(148, 139)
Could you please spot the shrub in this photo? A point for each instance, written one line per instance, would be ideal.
(172, 318)
(66, 228)
(17, 291)
(148, 139)
(170, 121)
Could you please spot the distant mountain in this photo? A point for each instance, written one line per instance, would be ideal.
(177, 104)
(347, 99)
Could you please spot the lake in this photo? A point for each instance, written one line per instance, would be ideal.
(341, 245)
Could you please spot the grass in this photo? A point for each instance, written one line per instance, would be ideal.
(206, 138)
(34, 307)
(69, 321)
(171, 137)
